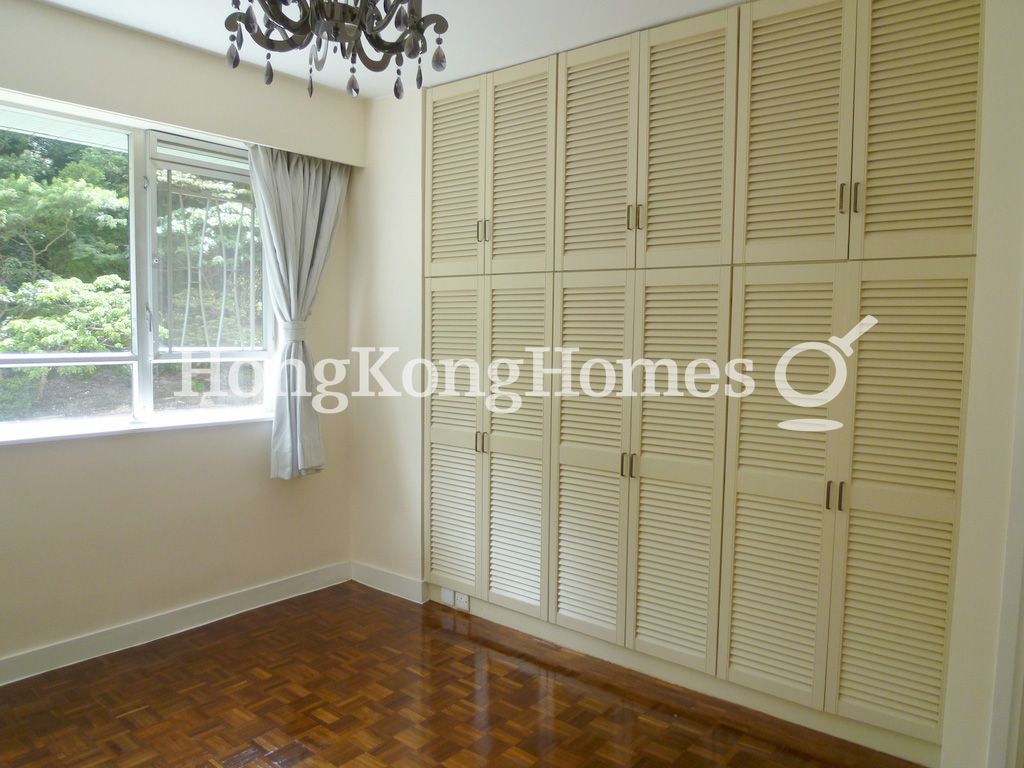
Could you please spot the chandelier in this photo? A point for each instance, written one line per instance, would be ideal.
(353, 29)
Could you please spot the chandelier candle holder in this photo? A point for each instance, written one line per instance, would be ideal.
(357, 30)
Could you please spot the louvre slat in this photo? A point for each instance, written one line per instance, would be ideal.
(596, 158)
(587, 581)
(518, 320)
(455, 184)
(887, 608)
(920, 97)
(515, 527)
(776, 317)
(887, 456)
(453, 512)
(453, 336)
(685, 157)
(766, 611)
(792, 132)
(675, 616)
(521, 176)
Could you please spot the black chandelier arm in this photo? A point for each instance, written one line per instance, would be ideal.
(435, 20)
(385, 21)
(377, 65)
(439, 23)
(236, 20)
(276, 13)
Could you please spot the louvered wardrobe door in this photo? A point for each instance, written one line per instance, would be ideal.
(590, 436)
(687, 141)
(454, 175)
(915, 142)
(777, 542)
(794, 130)
(454, 471)
(896, 533)
(521, 168)
(517, 459)
(679, 443)
(596, 157)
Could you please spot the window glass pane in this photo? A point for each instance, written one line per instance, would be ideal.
(32, 393)
(208, 275)
(207, 385)
(64, 237)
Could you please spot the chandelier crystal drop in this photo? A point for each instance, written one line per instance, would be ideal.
(372, 32)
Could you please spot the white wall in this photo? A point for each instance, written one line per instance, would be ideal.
(74, 59)
(385, 274)
(974, 701)
(97, 532)
(101, 531)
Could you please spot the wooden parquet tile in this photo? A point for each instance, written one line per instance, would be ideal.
(351, 677)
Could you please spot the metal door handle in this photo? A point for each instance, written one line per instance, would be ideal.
(622, 465)
(487, 230)
(842, 197)
(629, 217)
(842, 487)
(476, 443)
(856, 197)
(485, 442)
(828, 495)
(479, 230)
(639, 216)
(632, 465)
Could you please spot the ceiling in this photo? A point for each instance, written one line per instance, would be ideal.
(485, 34)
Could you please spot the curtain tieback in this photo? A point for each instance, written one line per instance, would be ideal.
(292, 332)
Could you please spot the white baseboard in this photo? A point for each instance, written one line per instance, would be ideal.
(172, 622)
(393, 583)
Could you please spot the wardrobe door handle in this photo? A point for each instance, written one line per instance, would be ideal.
(629, 217)
(828, 495)
(842, 197)
(842, 487)
(476, 443)
(485, 442)
(632, 465)
(639, 216)
(622, 465)
(856, 197)
(479, 230)
(487, 230)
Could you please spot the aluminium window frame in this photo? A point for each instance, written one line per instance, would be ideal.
(141, 245)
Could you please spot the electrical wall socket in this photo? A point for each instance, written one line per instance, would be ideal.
(461, 601)
(448, 597)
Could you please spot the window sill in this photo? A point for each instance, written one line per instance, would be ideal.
(16, 433)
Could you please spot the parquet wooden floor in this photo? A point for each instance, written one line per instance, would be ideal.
(351, 677)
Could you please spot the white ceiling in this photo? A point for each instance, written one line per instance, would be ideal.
(485, 34)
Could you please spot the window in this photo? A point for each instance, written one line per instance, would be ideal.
(131, 274)
(207, 277)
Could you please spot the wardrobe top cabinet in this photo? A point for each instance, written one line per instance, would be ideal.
(776, 131)
(646, 130)
(857, 128)
(489, 191)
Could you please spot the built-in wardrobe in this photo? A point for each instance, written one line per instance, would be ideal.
(723, 187)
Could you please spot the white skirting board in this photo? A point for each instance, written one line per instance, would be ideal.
(395, 584)
(145, 630)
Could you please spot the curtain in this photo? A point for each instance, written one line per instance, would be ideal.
(299, 200)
